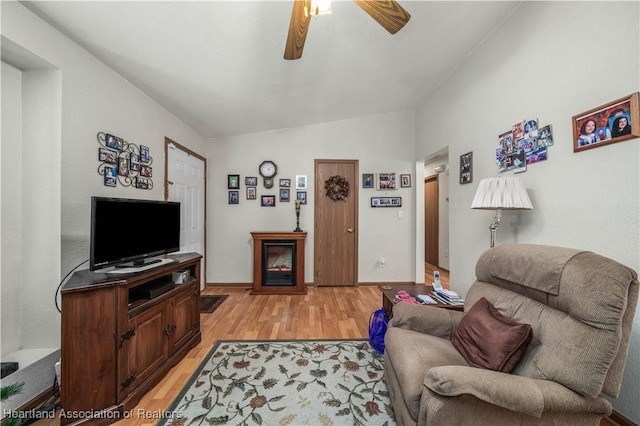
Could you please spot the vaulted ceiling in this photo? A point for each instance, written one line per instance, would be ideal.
(218, 65)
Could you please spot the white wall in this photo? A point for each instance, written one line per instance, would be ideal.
(550, 60)
(91, 99)
(11, 190)
(382, 143)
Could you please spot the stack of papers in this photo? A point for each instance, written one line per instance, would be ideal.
(449, 297)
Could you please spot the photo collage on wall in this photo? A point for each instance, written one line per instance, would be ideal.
(525, 143)
(124, 162)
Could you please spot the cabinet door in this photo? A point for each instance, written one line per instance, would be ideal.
(185, 316)
(146, 348)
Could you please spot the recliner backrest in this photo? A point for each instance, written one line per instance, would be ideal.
(579, 304)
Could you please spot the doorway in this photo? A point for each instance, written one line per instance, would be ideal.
(336, 226)
(431, 220)
(186, 171)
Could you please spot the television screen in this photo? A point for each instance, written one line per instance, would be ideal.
(127, 231)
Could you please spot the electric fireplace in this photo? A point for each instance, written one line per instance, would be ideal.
(278, 263)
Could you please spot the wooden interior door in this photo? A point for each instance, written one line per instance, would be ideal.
(431, 220)
(336, 226)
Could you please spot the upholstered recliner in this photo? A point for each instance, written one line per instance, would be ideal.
(580, 306)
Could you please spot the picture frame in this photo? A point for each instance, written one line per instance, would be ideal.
(386, 181)
(405, 181)
(251, 193)
(284, 195)
(268, 200)
(386, 201)
(285, 183)
(233, 181)
(301, 182)
(466, 167)
(144, 154)
(301, 197)
(613, 122)
(106, 155)
(367, 180)
(110, 176)
(142, 183)
(114, 142)
(134, 161)
(234, 197)
(251, 181)
(123, 166)
(146, 171)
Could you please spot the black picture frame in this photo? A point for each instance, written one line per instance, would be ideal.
(268, 200)
(301, 197)
(234, 197)
(251, 181)
(284, 195)
(405, 181)
(386, 201)
(110, 176)
(107, 155)
(466, 168)
(368, 180)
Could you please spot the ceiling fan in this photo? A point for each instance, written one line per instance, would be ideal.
(387, 13)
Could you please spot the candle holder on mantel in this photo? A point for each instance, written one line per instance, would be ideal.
(297, 218)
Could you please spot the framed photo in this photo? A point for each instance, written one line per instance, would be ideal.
(284, 196)
(234, 197)
(386, 181)
(110, 176)
(107, 156)
(301, 182)
(134, 161)
(606, 124)
(144, 154)
(142, 183)
(367, 180)
(268, 200)
(114, 142)
(146, 171)
(466, 168)
(233, 181)
(386, 201)
(301, 197)
(285, 183)
(405, 181)
(251, 192)
(123, 166)
(251, 181)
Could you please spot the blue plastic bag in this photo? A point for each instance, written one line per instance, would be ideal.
(377, 329)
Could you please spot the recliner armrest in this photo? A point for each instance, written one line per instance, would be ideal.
(513, 392)
(437, 322)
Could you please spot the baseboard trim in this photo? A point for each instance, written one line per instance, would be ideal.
(620, 420)
(393, 284)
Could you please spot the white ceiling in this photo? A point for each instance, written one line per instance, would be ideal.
(218, 65)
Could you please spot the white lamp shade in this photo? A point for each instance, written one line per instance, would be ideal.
(505, 192)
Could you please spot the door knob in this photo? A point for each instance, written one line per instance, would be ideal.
(349, 229)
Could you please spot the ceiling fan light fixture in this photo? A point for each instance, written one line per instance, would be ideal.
(317, 7)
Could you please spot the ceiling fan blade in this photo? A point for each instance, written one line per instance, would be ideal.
(298, 28)
(388, 13)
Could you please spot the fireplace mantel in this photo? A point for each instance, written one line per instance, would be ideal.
(297, 238)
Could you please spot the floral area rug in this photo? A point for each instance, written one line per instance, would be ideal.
(317, 382)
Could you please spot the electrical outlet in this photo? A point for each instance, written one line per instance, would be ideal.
(382, 262)
(446, 254)
(399, 214)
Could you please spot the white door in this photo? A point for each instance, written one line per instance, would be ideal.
(186, 184)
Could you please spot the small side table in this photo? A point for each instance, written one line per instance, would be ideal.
(389, 295)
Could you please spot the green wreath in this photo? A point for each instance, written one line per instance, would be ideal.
(337, 188)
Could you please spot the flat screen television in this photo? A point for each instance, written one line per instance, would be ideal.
(130, 233)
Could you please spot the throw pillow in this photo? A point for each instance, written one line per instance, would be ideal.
(488, 339)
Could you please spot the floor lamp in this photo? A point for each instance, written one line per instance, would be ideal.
(501, 193)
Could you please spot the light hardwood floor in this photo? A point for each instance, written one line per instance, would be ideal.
(323, 313)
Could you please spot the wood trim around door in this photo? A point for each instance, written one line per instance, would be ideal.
(183, 148)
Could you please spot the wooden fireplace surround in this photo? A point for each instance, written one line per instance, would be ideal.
(298, 238)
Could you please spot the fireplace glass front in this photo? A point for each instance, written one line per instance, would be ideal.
(278, 263)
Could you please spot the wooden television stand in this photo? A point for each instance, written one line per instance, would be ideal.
(121, 333)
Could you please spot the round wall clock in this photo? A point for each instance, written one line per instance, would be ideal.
(268, 170)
